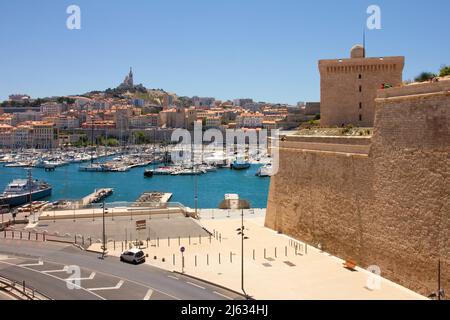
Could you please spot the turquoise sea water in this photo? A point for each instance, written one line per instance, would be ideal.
(68, 183)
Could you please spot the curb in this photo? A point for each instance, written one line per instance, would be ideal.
(79, 247)
(97, 252)
(213, 284)
(60, 241)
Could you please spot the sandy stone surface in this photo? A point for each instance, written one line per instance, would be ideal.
(290, 273)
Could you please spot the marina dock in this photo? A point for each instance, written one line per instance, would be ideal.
(97, 196)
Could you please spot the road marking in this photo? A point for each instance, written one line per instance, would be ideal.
(49, 275)
(196, 285)
(92, 276)
(40, 263)
(173, 277)
(222, 295)
(117, 287)
(149, 294)
(56, 271)
(93, 293)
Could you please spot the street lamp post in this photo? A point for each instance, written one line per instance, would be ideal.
(104, 231)
(196, 190)
(243, 237)
(196, 173)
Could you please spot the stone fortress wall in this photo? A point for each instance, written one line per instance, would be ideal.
(388, 205)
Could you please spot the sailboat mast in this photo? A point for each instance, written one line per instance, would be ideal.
(92, 141)
(30, 184)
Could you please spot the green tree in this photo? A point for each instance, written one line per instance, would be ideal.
(425, 76)
(112, 142)
(82, 142)
(140, 137)
(445, 71)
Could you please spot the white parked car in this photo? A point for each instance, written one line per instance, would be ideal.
(134, 256)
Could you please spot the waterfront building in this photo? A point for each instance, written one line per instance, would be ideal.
(138, 102)
(28, 115)
(99, 124)
(43, 134)
(122, 117)
(203, 102)
(173, 118)
(250, 120)
(191, 117)
(82, 102)
(269, 125)
(51, 108)
(242, 102)
(8, 119)
(6, 135)
(22, 136)
(64, 122)
(212, 122)
(144, 121)
(348, 87)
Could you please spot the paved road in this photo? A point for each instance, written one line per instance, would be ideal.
(43, 266)
(123, 228)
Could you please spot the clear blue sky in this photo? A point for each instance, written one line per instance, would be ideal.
(266, 50)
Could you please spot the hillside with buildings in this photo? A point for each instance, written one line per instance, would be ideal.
(129, 109)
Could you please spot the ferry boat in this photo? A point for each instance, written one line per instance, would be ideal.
(189, 172)
(18, 191)
(18, 165)
(148, 173)
(163, 171)
(94, 167)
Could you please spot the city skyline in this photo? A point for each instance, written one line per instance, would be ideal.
(254, 50)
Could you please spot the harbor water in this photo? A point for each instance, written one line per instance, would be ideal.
(70, 184)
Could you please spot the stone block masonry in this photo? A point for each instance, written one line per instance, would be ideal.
(388, 207)
(349, 87)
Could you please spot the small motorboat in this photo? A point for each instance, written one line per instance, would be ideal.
(240, 165)
(148, 173)
(265, 171)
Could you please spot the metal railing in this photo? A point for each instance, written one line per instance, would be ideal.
(115, 205)
(20, 291)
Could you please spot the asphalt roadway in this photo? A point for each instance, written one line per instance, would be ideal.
(44, 267)
(122, 228)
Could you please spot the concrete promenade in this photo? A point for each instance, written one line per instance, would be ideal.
(276, 266)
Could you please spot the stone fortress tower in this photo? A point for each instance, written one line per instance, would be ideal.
(349, 87)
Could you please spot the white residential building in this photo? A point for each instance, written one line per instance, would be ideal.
(51, 108)
(250, 120)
